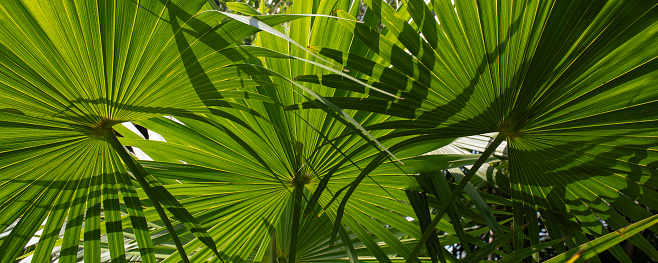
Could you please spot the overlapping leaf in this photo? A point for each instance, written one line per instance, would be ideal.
(568, 82)
(69, 71)
(240, 171)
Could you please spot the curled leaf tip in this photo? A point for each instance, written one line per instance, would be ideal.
(578, 254)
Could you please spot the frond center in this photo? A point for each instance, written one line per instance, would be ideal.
(511, 130)
(102, 126)
(301, 179)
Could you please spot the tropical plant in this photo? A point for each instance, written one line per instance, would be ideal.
(568, 85)
(249, 176)
(564, 87)
(70, 72)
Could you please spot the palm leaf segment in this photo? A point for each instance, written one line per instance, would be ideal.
(69, 71)
(569, 83)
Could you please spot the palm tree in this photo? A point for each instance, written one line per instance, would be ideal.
(567, 84)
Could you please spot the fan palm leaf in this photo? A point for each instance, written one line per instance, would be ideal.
(70, 71)
(568, 84)
(249, 174)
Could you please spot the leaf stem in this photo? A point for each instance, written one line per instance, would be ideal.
(296, 216)
(455, 193)
(273, 257)
(132, 166)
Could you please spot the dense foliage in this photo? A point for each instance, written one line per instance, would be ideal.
(328, 131)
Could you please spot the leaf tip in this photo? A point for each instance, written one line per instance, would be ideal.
(335, 12)
(314, 48)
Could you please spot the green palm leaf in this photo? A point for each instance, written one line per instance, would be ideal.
(241, 182)
(568, 84)
(249, 173)
(69, 72)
